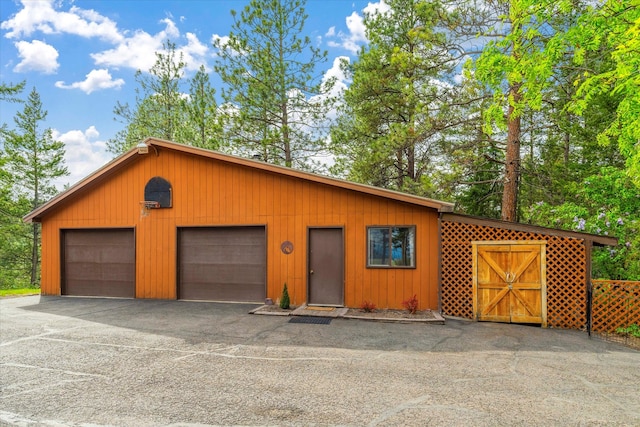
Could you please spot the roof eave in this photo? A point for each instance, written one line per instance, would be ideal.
(440, 206)
(596, 239)
(36, 214)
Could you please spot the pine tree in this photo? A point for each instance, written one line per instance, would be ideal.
(14, 251)
(275, 107)
(202, 112)
(517, 64)
(8, 92)
(160, 109)
(32, 161)
(396, 111)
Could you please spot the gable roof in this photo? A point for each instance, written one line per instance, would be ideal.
(158, 145)
(517, 226)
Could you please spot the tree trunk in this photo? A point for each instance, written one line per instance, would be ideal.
(34, 227)
(400, 178)
(567, 146)
(512, 159)
(288, 160)
(411, 160)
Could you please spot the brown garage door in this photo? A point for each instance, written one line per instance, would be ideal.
(222, 264)
(99, 263)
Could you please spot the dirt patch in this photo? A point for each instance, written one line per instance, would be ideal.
(626, 340)
(393, 314)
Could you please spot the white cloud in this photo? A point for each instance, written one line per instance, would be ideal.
(224, 40)
(92, 132)
(171, 30)
(84, 154)
(88, 24)
(356, 35)
(36, 56)
(355, 24)
(135, 51)
(41, 16)
(95, 80)
(223, 43)
(340, 85)
(354, 39)
(378, 7)
(139, 51)
(33, 17)
(194, 52)
(336, 72)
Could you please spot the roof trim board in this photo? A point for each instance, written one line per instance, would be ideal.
(468, 219)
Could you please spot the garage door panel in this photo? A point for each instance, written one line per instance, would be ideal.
(223, 292)
(99, 262)
(106, 254)
(118, 272)
(198, 273)
(88, 237)
(81, 254)
(117, 254)
(222, 255)
(87, 288)
(99, 271)
(221, 235)
(82, 270)
(222, 263)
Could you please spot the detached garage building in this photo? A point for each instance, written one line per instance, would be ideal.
(170, 221)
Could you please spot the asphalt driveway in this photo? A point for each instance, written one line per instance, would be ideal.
(97, 362)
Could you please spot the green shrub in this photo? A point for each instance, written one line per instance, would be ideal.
(284, 300)
(631, 330)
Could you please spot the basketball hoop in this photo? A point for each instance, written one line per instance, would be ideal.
(146, 206)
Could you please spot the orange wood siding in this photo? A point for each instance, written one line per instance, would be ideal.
(209, 192)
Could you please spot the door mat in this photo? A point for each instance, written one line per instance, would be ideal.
(320, 308)
(311, 320)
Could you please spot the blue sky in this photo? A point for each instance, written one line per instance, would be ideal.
(81, 56)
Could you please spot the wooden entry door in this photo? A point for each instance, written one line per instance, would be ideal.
(326, 267)
(509, 282)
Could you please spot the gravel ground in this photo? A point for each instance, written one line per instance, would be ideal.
(107, 362)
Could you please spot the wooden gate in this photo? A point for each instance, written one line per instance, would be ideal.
(509, 281)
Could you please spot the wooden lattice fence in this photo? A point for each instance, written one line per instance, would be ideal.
(615, 305)
(566, 272)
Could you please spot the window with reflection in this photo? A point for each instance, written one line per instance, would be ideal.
(391, 246)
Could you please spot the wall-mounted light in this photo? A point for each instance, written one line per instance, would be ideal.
(142, 148)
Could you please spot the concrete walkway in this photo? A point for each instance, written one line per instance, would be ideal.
(111, 362)
(344, 312)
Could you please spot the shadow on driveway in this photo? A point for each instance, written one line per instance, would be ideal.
(209, 322)
(138, 363)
